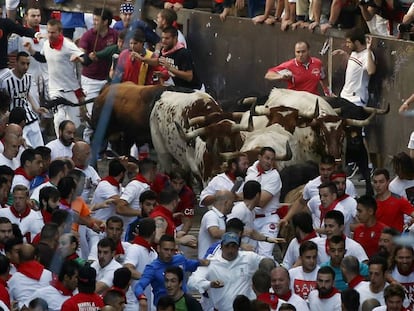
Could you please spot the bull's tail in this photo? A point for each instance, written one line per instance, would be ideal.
(50, 104)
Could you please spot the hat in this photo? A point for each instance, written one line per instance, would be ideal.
(87, 275)
(230, 237)
(126, 8)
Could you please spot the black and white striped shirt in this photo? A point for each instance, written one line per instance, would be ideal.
(18, 89)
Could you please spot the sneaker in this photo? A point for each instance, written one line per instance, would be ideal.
(352, 169)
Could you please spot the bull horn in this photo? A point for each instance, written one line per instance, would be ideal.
(238, 128)
(237, 115)
(315, 113)
(338, 110)
(248, 101)
(193, 134)
(230, 155)
(262, 110)
(196, 120)
(360, 123)
(377, 110)
(288, 156)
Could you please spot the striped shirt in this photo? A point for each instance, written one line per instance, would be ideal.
(18, 89)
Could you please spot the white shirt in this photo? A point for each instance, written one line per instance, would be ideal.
(213, 218)
(21, 287)
(62, 72)
(13, 163)
(380, 308)
(131, 194)
(219, 182)
(106, 274)
(30, 225)
(301, 282)
(236, 276)
(292, 253)
(356, 78)
(311, 188)
(298, 302)
(103, 192)
(242, 212)
(330, 304)
(399, 186)
(352, 247)
(314, 204)
(58, 150)
(411, 141)
(270, 182)
(20, 180)
(366, 293)
(52, 296)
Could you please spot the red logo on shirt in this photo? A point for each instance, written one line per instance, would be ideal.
(316, 71)
(272, 226)
(303, 288)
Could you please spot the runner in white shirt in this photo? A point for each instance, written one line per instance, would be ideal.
(213, 223)
(61, 288)
(303, 278)
(394, 295)
(402, 271)
(280, 282)
(377, 283)
(326, 296)
(226, 181)
(106, 265)
(61, 147)
(267, 219)
(141, 253)
(227, 275)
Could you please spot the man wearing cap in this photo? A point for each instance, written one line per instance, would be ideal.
(86, 299)
(228, 274)
(126, 13)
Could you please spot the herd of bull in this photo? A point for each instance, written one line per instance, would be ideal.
(191, 128)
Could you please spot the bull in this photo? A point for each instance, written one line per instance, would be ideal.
(177, 136)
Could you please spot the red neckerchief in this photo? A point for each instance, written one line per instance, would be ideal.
(119, 290)
(325, 210)
(286, 296)
(327, 243)
(65, 203)
(141, 178)
(342, 197)
(141, 241)
(308, 237)
(331, 294)
(72, 257)
(32, 269)
(270, 299)
(20, 215)
(231, 176)
(406, 273)
(177, 47)
(119, 248)
(47, 217)
(37, 29)
(61, 288)
(355, 281)
(112, 180)
(260, 170)
(57, 45)
(80, 167)
(20, 171)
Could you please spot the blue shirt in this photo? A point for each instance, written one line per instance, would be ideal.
(340, 283)
(154, 274)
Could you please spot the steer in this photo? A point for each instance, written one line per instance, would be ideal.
(176, 138)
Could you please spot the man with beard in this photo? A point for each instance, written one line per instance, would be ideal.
(62, 146)
(236, 170)
(402, 271)
(326, 296)
(280, 284)
(386, 244)
(178, 61)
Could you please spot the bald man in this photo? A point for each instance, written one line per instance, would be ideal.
(9, 157)
(213, 223)
(17, 130)
(30, 276)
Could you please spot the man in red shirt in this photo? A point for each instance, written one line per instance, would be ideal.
(369, 231)
(303, 73)
(86, 299)
(391, 208)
